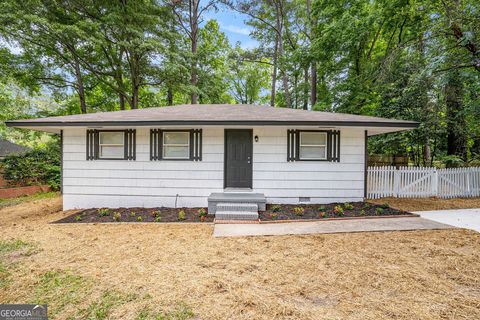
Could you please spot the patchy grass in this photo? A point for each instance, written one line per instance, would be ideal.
(10, 251)
(424, 204)
(156, 271)
(182, 312)
(102, 308)
(59, 289)
(26, 248)
(38, 196)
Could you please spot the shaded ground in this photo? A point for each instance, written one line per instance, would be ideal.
(325, 211)
(129, 271)
(14, 201)
(421, 204)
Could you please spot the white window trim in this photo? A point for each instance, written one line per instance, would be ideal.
(175, 145)
(100, 145)
(312, 145)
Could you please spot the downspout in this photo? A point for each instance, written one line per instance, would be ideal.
(365, 165)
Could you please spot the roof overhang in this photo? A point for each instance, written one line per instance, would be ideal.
(373, 127)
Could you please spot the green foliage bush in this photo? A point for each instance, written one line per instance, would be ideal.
(36, 167)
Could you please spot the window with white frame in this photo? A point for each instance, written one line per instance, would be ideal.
(111, 145)
(313, 145)
(176, 145)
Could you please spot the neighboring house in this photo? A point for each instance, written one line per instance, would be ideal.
(179, 156)
(7, 147)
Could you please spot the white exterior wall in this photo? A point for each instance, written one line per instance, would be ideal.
(145, 183)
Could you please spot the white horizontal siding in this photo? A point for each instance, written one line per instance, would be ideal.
(322, 181)
(113, 183)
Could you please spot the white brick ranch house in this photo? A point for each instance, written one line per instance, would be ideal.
(179, 156)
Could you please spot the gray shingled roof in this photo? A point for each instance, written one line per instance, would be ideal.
(214, 114)
(7, 147)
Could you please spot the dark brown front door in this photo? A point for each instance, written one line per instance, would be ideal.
(238, 158)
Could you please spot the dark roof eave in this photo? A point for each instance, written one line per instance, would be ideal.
(212, 122)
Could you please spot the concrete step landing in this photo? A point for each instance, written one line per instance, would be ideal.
(236, 198)
(236, 211)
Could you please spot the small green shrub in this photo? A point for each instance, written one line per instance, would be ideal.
(323, 214)
(366, 205)
(78, 218)
(117, 216)
(103, 212)
(379, 210)
(202, 212)
(132, 214)
(299, 211)
(385, 206)
(362, 212)
(158, 219)
(181, 215)
(156, 213)
(348, 206)
(276, 208)
(139, 218)
(322, 208)
(338, 210)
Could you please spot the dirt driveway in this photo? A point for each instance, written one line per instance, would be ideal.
(148, 271)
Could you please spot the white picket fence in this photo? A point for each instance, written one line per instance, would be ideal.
(412, 182)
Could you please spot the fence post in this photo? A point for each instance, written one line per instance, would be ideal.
(396, 182)
(435, 183)
(467, 182)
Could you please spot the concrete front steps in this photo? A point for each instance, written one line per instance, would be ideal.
(232, 206)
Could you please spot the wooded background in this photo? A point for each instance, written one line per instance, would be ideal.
(405, 59)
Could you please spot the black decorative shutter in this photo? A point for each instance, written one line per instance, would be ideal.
(333, 148)
(130, 144)
(292, 141)
(196, 145)
(92, 144)
(156, 144)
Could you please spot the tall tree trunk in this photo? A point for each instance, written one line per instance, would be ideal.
(121, 99)
(170, 96)
(194, 76)
(274, 73)
(313, 66)
(456, 124)
(313, 86)
(283, 71)
(194, 42)
(305, 90)
(295, 91)
(80, 86)
(426, 152)
(134, 62)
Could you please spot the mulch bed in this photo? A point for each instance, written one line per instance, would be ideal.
(326, 211)
(273, 212)
(135, 215)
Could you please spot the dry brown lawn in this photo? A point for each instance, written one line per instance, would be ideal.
(422, 204)
(139, 271)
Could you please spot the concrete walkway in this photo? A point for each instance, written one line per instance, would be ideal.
(331, 226)
(463, 218)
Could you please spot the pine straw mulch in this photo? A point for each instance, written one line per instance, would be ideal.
(425, 204)
(381, 275)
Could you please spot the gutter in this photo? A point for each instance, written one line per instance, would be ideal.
(19, 124)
